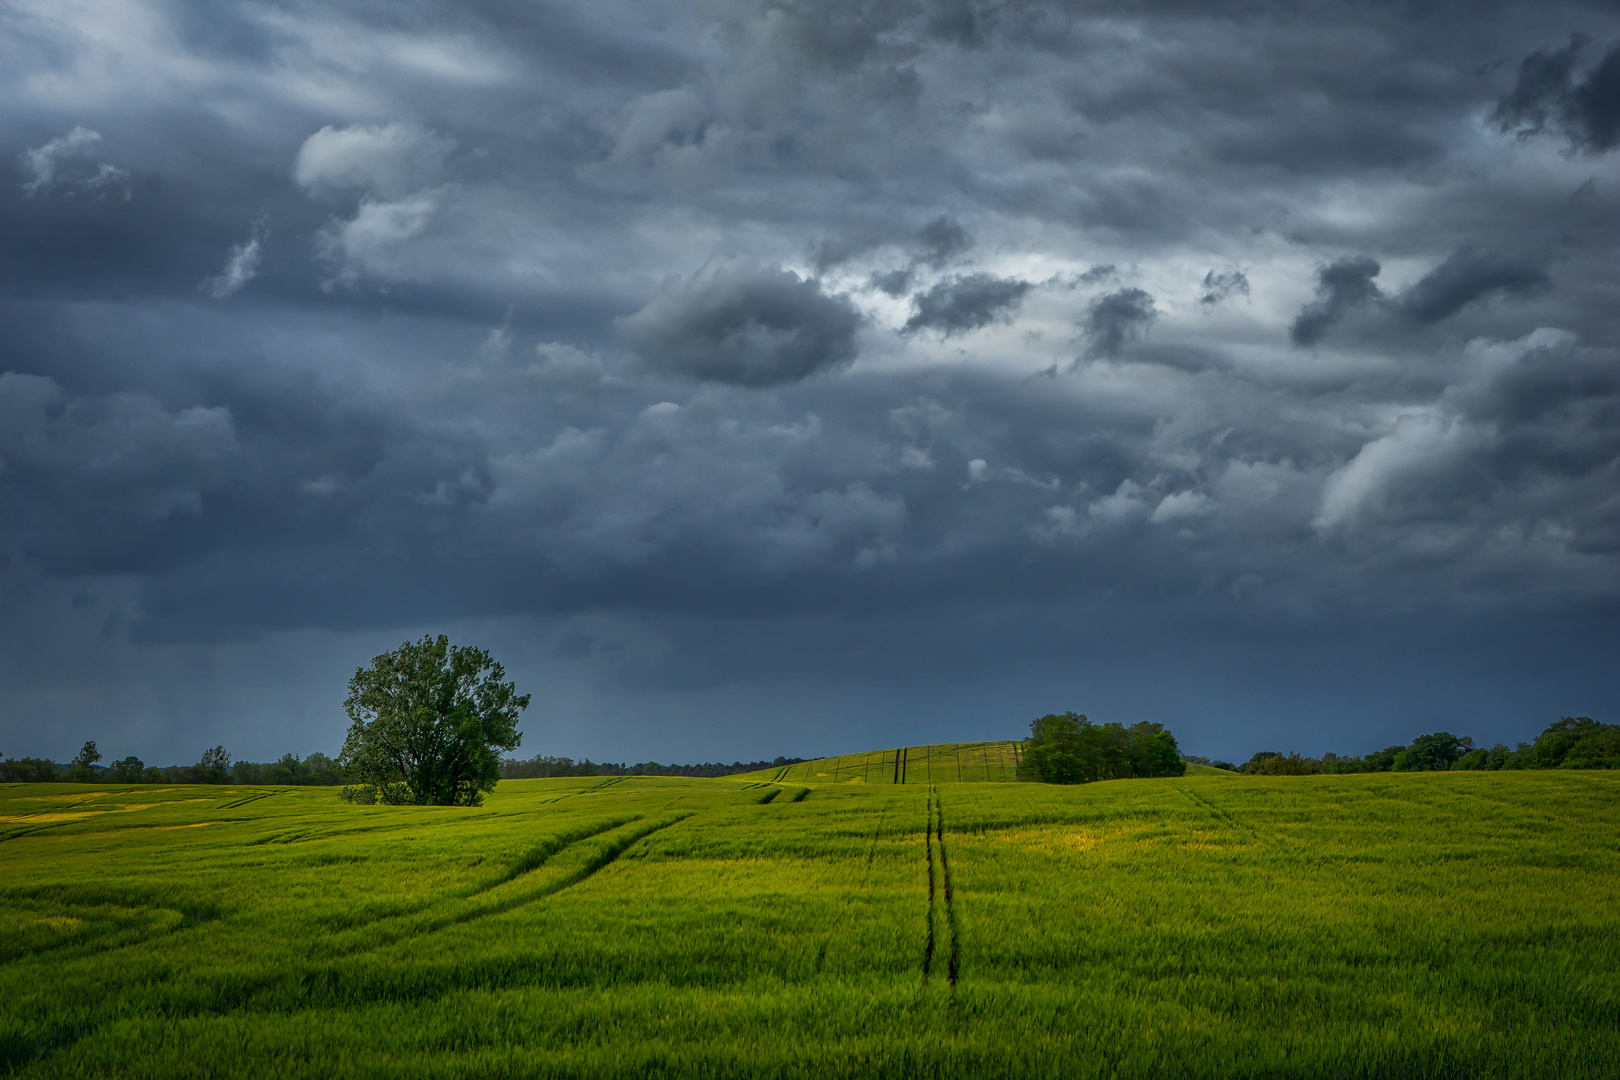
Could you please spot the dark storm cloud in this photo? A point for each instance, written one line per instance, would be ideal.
(1341, 287)
(328, 319)
(1548, 92)
(1219, 286)
(941, 240)
(1466, 276)
(736, 322)
(934, 245)
(1117, 318)
(969, 302)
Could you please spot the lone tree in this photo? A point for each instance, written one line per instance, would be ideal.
(428, 722)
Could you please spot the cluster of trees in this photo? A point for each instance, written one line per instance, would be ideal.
(1573, 742)
(1067, 748)
(316, 770)
(539, 766)
(215, 767)
(87, 768)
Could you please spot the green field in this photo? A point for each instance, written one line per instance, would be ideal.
(1380, 925)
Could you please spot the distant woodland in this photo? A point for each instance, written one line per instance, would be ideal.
(1089, 751)
(1574, 742)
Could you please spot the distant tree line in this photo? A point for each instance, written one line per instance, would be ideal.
(542, 766)
(214, 767)
(1067, 748)
(1573, 742)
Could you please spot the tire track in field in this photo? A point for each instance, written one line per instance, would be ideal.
(255, 797)
(541, 853)
(609, 782)
(29, 830)
(928, 841)
(601, 860)
(952, 929)
(531, 860)
(1222, 816)
(935, 836)
(430, 922)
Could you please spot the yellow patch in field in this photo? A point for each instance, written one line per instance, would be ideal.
(75, 815)
(1079, 840)
(192, 825)
(74, 797)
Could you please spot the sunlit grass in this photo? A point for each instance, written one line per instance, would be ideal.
(1208, 926)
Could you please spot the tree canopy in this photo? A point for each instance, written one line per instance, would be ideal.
(1067, 748)
(428, 721)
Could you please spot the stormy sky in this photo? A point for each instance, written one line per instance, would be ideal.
(804, 377)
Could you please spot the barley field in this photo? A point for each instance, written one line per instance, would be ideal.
(823, 920)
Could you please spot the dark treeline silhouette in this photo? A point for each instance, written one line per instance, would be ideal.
(214, 767)
(1574, 742)
(541, 766)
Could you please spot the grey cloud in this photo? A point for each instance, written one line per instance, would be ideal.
(831, 251)
(933, 245)
(1223, 285)
(895, 282)
(1117, 318)
(940, 240)
(742, 323)
(1466, 276)
(1341, 287)
(1524, 418)
(1548, 92)
(959, 304)
(113, 482)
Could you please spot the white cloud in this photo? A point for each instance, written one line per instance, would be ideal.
(389, 160)
(241, 267)
(370, 243)
(1182, 504)
(673, 117)
(1422, 451)
(67, 162)
(1125, 504)
(567, 368)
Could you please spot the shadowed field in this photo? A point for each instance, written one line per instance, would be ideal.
(1457, 924)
